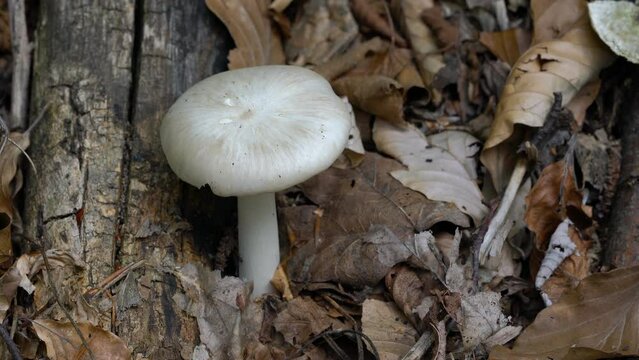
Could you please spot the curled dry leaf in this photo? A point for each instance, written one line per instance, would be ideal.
(600, 317)
(366, 15)
(323, 29)
(63, 342)
(423, 43)
(250, 27)
(9, 187)
(376, 94)
(431, 170)
(545, 210)
(303, 318)
(410, 289)
(562, 64)
(619, 34)
(388, 329)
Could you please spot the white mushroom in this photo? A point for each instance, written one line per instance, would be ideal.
(252, 132)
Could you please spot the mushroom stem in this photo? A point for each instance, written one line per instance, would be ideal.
(259, 244)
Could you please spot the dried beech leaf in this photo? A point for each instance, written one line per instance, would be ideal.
(365, 13)
(410, 289)
(616, 24)
(302, 318)
(544, 212)
(482, 318)
(601, 315)
(462, 145)
(250, 27)
(376, 94)
(507, 45)
(63, 342)
(543, 204)
(354, 152)
(388, 329)
(431, 170)
(213, 301)
(323, 29)
(423, 43)
(9, 161)
(389, 63)
(357, 54)
(563, 64)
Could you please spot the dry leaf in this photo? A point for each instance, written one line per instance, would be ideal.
(353, 200)
(342, 63)
(251, 30)
(354, 152)
(563, 64)
(63, 342)
(462, 145)
(617, 25)
(544, 212)
(302, 318)
(431, 170)
(388, 329)
(601, 315)
(429, 59)
(507, 45)
(9, 187)
(324, 29)
(215, 303)
(410, 289)
(482, 318)
(447, 33)
(366, 15)
(376, 94)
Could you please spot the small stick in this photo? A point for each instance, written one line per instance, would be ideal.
(421, 346)
(21, 64)
(11, 345)
(488, 247)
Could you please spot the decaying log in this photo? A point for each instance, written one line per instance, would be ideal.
(110, 70)
(622, 247)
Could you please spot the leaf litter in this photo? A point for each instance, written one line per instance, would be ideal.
(381, 246)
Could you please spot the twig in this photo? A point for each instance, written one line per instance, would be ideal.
(21, 64)
(360, 347)
(488, 246)
(337, 334)
(11, 345)
(421, 346)
(113, 278)
(5, 134)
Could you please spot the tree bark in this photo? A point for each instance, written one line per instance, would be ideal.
(110, 70)
(622, 248)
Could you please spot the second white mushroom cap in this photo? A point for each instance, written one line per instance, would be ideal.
(255, 130)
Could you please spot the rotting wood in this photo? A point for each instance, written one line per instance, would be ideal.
(110, 70)
(622, 248)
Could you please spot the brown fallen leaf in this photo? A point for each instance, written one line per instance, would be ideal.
(323, 29)
(63, 342)
(545, 210)
(9, 187)
(357, 54)
(366, 15)
(355, 199)
(410, 289)
(507, 45)
(600, 317)
(376, 94)
(388, 329)
(423, 43)
(302, 318)
(250, 27)
(561, 62)
(447, 33)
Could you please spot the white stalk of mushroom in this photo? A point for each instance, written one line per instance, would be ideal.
(250, 133)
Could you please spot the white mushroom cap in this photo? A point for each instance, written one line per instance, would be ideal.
(255, 130)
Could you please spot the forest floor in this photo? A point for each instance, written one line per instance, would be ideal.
(485, 205)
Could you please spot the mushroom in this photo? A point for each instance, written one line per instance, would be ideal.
(250, 133)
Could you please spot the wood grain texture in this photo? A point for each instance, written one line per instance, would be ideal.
(110, 70)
